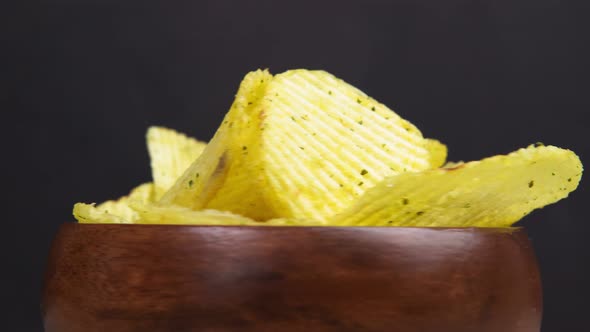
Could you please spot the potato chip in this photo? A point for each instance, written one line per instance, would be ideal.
(309, 144)
(452, 164)
(90, 214)
(437, 152)
(115, 212)
(176, 215)
(293, 222)
(171, 153)
(493, 192)
(226, 157)
(325, 142)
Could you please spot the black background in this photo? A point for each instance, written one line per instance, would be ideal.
(83, 80)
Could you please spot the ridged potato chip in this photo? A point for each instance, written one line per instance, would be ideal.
(225, 163)
(325, 142)
(176, 215)
(171, 153)
(115, 211)
(308, 144)
(90, 214)
(437, 152)
(493, 192)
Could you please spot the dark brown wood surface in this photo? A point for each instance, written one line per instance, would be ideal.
(146, 278)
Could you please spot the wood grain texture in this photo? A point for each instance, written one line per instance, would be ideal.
(199, 278)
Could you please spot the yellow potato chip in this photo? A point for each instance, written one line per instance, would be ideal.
(226, 156)
(437, 151)
(90, 214)
(452, 164)
(325, 142)
(493, 192)
(176, 215)
(171, 153)
(117, 212)
(306, 146)
(293, 222)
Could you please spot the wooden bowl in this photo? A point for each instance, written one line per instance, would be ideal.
(151, 278)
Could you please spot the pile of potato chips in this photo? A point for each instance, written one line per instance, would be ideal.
(306, 148)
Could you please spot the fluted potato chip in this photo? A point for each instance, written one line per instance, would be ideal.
(307, 145)
(493, 192)
(176, 215)
(115, 211)
(437, 152)
(171, 153)
(325, 142)
(224, 164)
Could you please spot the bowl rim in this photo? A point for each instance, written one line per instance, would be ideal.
(510, 229)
